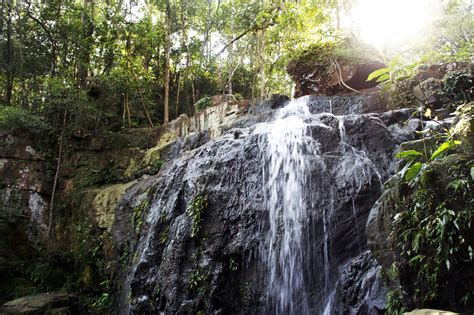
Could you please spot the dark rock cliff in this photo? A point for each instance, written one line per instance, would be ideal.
(220, 269)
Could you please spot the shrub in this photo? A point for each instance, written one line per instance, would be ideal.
(18, 120)
(458, 86)
(203, 103)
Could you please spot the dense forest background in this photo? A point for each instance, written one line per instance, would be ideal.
(120, 63)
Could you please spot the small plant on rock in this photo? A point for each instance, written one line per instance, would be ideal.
(197, 279)
(195, 212)
(458, 86)
(136, 219)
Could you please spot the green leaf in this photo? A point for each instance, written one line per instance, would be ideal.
(377, 73)
(403, 77)
(413, 171)
(443, 148)
(472, 172)
(408, 153)
(383, 77)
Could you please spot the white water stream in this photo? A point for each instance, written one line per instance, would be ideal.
(289, 158)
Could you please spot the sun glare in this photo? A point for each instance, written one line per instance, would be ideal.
(388, 24)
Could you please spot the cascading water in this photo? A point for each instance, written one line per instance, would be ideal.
(285, 174)
(290, 157)
(296, 189)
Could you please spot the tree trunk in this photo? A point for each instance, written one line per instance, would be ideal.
(178, 87)
(231, 55)
(87, 20)
(9, 56)
(261, 57)
(166, 117)
(56, 179)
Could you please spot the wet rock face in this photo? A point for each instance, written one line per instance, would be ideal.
(361, 289)
(371, 102)
(220, 268)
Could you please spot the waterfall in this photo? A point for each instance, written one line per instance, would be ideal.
(286, 169)
(290, 156)
(287, 202)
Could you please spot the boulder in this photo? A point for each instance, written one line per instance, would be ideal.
(278, 100)
(361, 288)
(438, 71)
(44, 303)
(329, 70)
(430, 92)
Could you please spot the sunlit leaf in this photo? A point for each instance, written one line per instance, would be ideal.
(444, 147)
(413, 171)
(383, 77)
(403, 77)
(428, 112)
(408, 153)
(377, 73)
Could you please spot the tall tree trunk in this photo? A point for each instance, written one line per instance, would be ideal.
(178, 87)
(230, 59)
(9, 55)
(261, 57)
(166, 118)
(56, 178)
(87, 20)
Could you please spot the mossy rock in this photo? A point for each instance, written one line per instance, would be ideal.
(320, 68)
(105, 202)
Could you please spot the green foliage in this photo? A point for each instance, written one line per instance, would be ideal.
(89, 177)
(396, 72)
(195, 212)
(18, 120)
(449, 38)
(320, 54)
(163, 237)
(91, 278)
(233, 265)
(157, 166)
(203, 103)
(401, 94)
(458, 86)
(431, 223)
(433, 218)
(415, 161)
(197, 280)
(394, 305)
(137, 215)
(445, 146)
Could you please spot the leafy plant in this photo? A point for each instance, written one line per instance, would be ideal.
(16, 119)
(203, 103)
(458, 86)
(233, 265)
(430, 229)
(137, 215)
(414, 166)
(396, 72)
(197, 280)
(163, 237)
(195, 212)
(433, 217)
